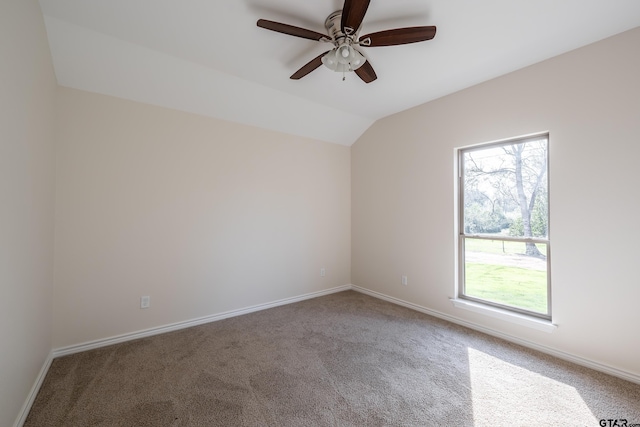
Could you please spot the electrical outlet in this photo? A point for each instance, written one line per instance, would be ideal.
(322, 272)
(404, 280)
(145, 302)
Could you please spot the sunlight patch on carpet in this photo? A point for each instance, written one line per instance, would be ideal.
(506, 394)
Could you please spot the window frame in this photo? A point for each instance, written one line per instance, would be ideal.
(462, 236)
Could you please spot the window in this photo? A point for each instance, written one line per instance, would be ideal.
(504, 225)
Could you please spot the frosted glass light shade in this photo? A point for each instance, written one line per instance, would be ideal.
(344, 58)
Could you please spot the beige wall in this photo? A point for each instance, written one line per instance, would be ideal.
(203, 215)
(403, 195)
(27, 90)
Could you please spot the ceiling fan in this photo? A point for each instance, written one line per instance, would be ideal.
(343, 27)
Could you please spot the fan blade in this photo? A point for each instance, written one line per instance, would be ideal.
(353, 13)
(291, 30)
(399, 36)
(309, 67)
(366, 72)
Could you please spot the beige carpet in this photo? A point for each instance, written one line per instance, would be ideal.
(342, 360)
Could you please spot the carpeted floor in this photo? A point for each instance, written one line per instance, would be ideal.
(345, 359)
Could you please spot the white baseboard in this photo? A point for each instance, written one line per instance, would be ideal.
(90, 345)
(77, 348)
(24, 411)
(215, 317)
(548, 350)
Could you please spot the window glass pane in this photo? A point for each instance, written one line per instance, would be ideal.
(501, 272)
(505, 190)
(504, 196)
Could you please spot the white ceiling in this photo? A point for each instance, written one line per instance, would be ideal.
(209, 57)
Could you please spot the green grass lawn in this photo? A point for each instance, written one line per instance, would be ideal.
(515, 286)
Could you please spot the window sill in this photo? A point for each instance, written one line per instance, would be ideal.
(520, 319)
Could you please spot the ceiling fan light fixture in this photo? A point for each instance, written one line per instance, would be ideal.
(344, 58)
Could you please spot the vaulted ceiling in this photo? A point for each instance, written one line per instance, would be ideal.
(208, 56)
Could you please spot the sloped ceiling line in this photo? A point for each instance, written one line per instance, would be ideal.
(210, 57)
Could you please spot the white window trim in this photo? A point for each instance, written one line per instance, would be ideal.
(523, 319)
(509, 316)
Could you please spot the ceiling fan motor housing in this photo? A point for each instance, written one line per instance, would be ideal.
(334, 30)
